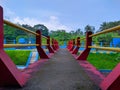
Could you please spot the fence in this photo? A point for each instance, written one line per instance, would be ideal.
(10, 75)
(111, 82)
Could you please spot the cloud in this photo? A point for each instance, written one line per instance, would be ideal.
(52, 23)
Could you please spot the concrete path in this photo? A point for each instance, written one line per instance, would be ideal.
(61, 72)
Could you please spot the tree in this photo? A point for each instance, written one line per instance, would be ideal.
(9, 33)
(89, 28)
(79, 32)
(105, 39)
(60, 35)
(30, 36)
(43, 29)
(106, 25)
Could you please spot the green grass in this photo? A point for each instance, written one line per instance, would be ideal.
(19, 57)
(104, 61)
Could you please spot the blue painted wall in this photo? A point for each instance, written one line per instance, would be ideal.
(116, 42)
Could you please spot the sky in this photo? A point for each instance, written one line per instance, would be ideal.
(61, 14)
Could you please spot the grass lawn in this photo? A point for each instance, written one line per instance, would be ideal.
(19, 57)
(104, 61)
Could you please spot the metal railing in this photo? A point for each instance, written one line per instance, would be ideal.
(23, 29)
(103, 32)
(19, 27)
(88, 45)
(8, 68)
(110, 82)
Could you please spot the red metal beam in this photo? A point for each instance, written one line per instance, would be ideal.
(53, 44)
(85, 53)
(75, 51)
(40, 50)
(9, 74)
(48, 45)
(112, 81)
(73, 45)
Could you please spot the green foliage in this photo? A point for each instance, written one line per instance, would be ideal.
(63, 36)
(118, 58)
(43, 29)
(19, 57)
(105, 39)
(9, 32)
(89, 28)
(104, 61)
(44, 41)
(106, 25)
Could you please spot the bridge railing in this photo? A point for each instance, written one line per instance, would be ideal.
(111, 82)
(10, 75)
(88, 46)
(38, 40)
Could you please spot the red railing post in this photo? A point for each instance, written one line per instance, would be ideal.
(9, 74)
(73, 45)
(53, 44)
(84, 54)
(40, 50)
(75, 51)
(112, 81)
(70, 44)
(56, 44)
(48, 45)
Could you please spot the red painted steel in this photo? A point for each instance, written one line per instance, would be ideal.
(53, 44)
(40, 50)
(70, 44)
(112, 81)
(9, 74)
(56, 44)
(84, 54)
(48, 45)
(75, 51)
(73, 45)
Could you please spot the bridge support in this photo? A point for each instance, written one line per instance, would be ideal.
(84, 54)
(75, 51)
(9, 74)
(48, 45)
(56, 44)
(112, 81)
(53, 44)
(73, 45)
(40, 50)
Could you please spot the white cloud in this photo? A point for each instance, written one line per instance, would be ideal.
(53, 22)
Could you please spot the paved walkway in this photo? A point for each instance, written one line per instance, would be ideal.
(61, 72)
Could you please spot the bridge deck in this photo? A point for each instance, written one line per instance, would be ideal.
(61, 72)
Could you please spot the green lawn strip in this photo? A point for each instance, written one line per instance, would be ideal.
(104, 61)
(19, 57)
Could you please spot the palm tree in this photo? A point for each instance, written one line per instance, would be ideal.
(89, 28)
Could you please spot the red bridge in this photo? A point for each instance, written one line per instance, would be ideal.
(62, 69)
